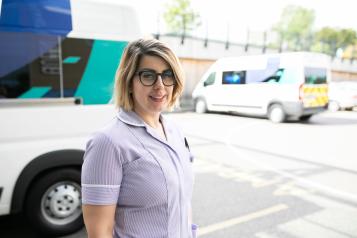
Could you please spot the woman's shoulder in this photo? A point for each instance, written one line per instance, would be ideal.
(114, 131)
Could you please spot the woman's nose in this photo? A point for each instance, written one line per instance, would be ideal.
(159, 83)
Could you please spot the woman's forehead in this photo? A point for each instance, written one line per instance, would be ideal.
(153, 62)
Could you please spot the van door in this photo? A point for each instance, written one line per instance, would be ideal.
(227, 95)
(314, 92)
(204, 94)
(260, 86)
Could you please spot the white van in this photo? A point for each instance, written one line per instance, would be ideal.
(57, 64)
(279, 86)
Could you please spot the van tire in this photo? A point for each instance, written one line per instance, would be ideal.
(200, 106)
(276, 113)
(53, 204)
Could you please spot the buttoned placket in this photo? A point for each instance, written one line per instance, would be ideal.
(177, 163)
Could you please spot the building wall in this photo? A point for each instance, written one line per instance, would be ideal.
(338, 75)
(194, 70)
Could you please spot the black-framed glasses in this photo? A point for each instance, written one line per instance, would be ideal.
(149, 77)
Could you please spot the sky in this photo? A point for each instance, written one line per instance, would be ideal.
(232, 18)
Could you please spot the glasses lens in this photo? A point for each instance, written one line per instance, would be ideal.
(168, 78)
(147, 78)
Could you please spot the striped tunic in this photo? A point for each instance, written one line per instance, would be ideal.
(149, 179)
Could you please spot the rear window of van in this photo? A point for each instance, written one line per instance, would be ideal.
(315, 75)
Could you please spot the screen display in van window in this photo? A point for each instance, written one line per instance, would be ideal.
(315, 75)
(233, 77)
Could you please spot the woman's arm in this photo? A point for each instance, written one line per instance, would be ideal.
(99, 220)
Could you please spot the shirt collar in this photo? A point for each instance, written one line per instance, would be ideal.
(130, 117)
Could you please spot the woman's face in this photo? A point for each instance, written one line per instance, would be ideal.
(151, 100)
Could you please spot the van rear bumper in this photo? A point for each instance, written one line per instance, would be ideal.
(297, 109)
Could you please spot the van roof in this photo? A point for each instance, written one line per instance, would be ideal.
(260, 61)
(284, 54)
(91, 19)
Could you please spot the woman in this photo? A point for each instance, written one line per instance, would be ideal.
(136, 177)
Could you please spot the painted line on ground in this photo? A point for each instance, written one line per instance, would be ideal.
(300, 180)
(238, 220)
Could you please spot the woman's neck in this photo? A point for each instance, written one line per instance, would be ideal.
(152, 120)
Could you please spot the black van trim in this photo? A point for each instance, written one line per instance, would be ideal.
(42, 164)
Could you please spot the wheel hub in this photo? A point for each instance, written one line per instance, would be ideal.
(61, 203)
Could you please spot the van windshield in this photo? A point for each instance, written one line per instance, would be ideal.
(315, 75)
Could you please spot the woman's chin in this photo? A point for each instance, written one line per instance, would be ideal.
(159, 107)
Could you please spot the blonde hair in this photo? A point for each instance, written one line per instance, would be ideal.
(129, 63)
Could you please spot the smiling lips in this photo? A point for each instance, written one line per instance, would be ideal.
(157, 98)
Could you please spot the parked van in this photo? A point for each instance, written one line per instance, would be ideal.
(278, 86)
(57, 64)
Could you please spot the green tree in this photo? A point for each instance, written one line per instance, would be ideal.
(328, 40)
(346, 37)
(295, 27)
(181, 18)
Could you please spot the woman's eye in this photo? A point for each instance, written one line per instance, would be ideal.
(147, 75)
(168, 74)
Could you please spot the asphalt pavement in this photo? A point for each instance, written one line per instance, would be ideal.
(256, 179)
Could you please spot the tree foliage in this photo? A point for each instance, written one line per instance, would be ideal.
(328, 40)
(180, 17)
(295, 30)
(295, 27)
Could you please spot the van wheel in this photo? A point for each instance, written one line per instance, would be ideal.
(200, 106)
(276, 113)
(53, 205)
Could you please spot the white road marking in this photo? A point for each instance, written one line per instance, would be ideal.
(300, 180)
(238, 220)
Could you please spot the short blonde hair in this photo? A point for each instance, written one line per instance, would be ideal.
(129, 63)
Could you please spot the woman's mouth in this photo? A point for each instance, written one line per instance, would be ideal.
(157, 98)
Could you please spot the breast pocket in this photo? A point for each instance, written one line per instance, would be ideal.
(143, 184)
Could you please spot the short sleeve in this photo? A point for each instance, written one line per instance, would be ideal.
(101, 172)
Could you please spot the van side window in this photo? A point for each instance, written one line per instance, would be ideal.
(275, 77)
(272, 72)
(210, 80)
(264, 76)
(233, 77)
(291, 75)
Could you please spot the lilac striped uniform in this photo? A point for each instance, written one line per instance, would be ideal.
(150, 179)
